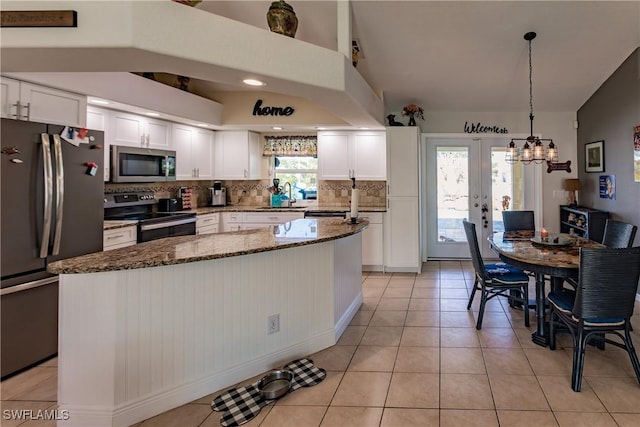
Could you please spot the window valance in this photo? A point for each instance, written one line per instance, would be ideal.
(303, 145)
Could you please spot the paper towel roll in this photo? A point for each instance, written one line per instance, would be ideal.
(355, 193)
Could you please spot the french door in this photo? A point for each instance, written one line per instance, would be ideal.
(468, 178)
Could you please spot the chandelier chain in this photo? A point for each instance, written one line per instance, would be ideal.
(530, 85)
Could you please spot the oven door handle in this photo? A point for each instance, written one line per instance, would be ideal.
(166, 224)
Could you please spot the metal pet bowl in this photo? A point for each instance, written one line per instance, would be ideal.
(275, 384)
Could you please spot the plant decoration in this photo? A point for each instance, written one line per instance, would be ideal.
(413, 110)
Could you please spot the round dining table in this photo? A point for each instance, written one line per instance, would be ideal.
(543, 257)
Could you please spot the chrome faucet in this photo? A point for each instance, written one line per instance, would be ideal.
(291, 200)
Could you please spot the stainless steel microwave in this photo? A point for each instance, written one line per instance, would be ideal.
(136, 164)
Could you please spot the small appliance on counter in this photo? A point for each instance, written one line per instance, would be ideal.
(217, 194)
(170, 205)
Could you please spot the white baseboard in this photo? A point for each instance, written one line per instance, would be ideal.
(142, 409)
(347, 316)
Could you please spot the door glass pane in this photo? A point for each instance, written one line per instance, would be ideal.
(506, 186)
(452, 192)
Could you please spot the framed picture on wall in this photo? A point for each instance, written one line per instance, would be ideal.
(594, 156)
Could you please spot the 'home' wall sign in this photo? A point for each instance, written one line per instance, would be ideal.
(259, 110)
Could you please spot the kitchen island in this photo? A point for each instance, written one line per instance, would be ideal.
(150, 327)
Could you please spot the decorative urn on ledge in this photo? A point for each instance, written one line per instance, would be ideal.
(282, 19)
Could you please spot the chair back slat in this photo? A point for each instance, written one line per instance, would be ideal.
(472, 239)
(518, 220)
(607, 283)
(618, 234)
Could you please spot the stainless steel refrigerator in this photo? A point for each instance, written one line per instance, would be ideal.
(51, 209)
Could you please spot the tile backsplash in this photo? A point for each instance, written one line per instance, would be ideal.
(256, 193)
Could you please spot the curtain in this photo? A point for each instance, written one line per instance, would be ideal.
(291, 146)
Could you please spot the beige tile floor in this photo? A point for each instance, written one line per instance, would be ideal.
(412, 357)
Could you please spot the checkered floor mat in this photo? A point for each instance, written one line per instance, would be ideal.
(242, 404)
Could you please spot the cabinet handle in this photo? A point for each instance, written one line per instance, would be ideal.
(207, 220)
(388, 189)
(28, 107)
(117, 236)
(18, 108)
(197, 172)
(147, 140)
(245, 172)
(142, 139)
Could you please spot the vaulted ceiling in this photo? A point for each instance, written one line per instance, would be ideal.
(470, 55)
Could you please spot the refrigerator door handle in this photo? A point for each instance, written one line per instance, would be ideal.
(48, 196)
(57, 235)
(28, 285)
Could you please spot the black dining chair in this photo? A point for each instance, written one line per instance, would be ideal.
(602, 304)
(518, 220)
(493, 280)
(617, 234)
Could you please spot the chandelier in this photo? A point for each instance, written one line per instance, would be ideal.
(533, 149)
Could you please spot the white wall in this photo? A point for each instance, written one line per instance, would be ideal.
(557, 126)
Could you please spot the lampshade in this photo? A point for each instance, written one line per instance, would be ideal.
(572, 184)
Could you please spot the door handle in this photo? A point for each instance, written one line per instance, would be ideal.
(48, 196)
(57, 234)
(485, 221)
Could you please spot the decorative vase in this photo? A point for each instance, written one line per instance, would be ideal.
(189, 2)
(282, 19)
(412, 120)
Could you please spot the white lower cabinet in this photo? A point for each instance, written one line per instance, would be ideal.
(402, 235)
(207, 223)
(234, 221)
(231, 221)
(372, 242)
(119, 238)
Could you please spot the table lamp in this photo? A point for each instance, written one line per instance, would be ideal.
(572, 185)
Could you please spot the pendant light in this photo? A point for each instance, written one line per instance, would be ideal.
(533, 149)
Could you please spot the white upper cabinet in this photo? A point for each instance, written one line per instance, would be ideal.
(193, 147)
(402, 161)
(98, 119)
(237, 155)
(35, 103)
(343, 155)
(139, 131)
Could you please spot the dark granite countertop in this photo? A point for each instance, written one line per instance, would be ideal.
(184, 249)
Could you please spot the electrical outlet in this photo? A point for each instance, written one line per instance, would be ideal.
(273, 324)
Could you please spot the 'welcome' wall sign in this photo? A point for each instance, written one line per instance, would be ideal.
(259, 110)
(480, 128)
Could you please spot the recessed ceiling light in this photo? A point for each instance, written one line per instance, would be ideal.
(98, 101)
(276, 128)
(153, 114)
(364, 128)
(204, 125)
(253, 82)
(320, 128)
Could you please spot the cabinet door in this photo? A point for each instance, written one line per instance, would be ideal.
(402, 234)
(181, 140)
(232, 155)
(54, 106)
(9, 96)
(334, 162)
(157, 134)
(372, 249)
(369, 156)
(98, 119)
(402, 161)
(201, 150)
(126, 129)
(255, 156)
